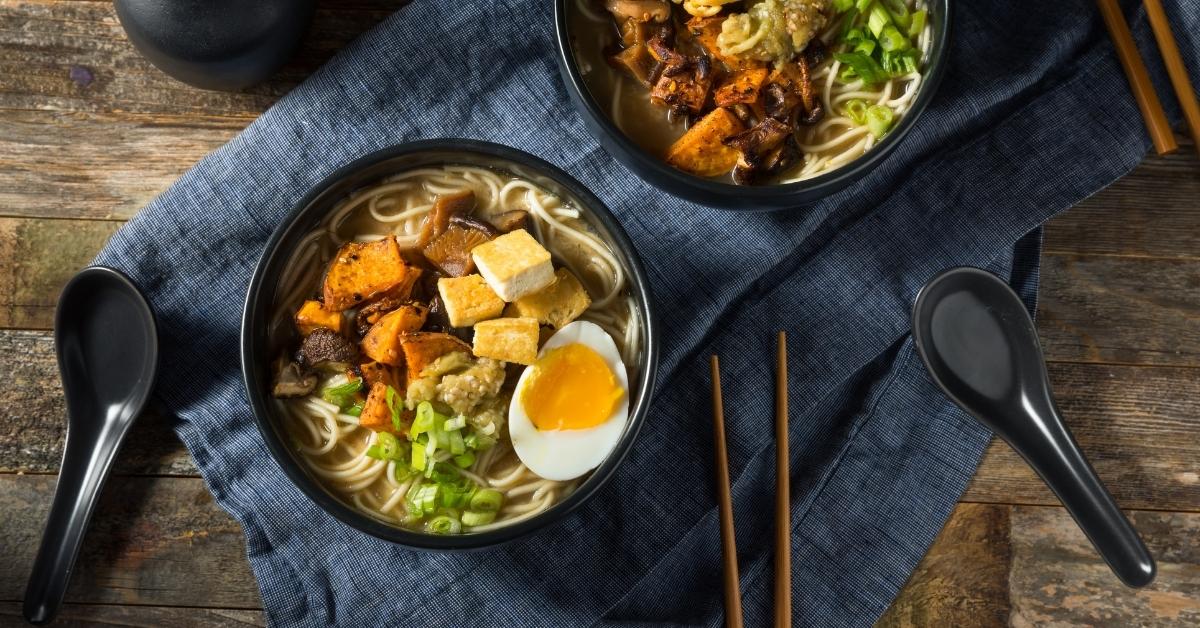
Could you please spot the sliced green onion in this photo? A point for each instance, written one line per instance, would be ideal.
(862, 5)
(423, 421)
(342, 395)
(354, 410)
(918, 23)
(465, 460)
(404, 472)
(457, 446)
(473, 518)
(418, 456)
(856, 110)
(877, 19)
(901, 62)
(487, 500)
(443, 524)
(879, 120)
(457, 423)
(842, 5)
(386, 447)
(427, 498)
(861, 66)
(898, 10)
(393, 403)
(865, 46)
(891, 39)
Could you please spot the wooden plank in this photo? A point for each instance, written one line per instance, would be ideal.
(1138, 427)
(1153, 211)
(74, 56)
(31, 434)
(999, 565)
(153, 541)
(963, 580)
(69, 165)
(38, 257)
(1120, 310)
(1058, 579)
(98, 615)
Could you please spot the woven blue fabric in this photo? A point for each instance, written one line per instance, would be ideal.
(1033, 116)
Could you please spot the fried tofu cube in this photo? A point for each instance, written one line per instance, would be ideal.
(742, 87)
(514, 265)
(382, 342)
(702, 151)
(557, 304)
(377, 414)
(362, 271)
(423, 347)
(468, 300)
(507, 339)
(313, 316)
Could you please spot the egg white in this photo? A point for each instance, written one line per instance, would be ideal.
(568, 454)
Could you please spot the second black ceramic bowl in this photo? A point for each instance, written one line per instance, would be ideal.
(726, 195)
(258, 350)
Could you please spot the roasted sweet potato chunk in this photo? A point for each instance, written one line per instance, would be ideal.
(377, 414)
(375, 372)
(705, 31)
(382, 342)
(741, 87)
(422, 348)
(701, 151)
(362, 271)
(312, 316)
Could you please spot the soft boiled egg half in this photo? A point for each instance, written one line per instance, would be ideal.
(571, 405)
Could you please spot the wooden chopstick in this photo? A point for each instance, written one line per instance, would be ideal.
(1139, 78)
(783, 516)
(1174, 62)
(733, 596)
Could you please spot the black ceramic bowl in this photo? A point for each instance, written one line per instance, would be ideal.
(727, 195)
(258, 350)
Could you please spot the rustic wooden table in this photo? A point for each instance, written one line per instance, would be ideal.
(89, 132)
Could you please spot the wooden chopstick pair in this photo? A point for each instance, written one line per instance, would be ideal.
(1139, 79)
(783, 550)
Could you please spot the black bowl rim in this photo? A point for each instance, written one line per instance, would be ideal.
(728, 196)
(253, 341)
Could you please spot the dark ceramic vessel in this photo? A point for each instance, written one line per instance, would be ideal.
(742, 197)
(258, 350)
(216, 44)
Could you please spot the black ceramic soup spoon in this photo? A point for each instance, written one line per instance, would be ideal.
(981, 347)
(107, 354)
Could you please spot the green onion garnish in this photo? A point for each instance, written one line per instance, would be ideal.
(354, 410)
(443, 524)
(457, 423)
(856, 110)
(418, 456)
(472, 518)
(465, 460)
(891, 39)
(861, 66)
(879, 120)
(342, 395)
(393, 404)
(918, 23)
(487, 500)
(877, 19)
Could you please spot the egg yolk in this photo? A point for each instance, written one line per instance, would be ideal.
(570, 388)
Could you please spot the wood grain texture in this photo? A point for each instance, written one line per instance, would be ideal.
(43, 41)
(1137, 425)
(1120, 310)
(109, 615)
(33, 423)
(37, 257)
(1025, 566)
(1057, 578)
(963, 580)
(98, 165)
(153, 541)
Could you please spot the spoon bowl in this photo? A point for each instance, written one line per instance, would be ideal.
(981, 348)
(107, 343)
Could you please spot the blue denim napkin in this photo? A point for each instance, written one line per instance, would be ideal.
(1033, 116)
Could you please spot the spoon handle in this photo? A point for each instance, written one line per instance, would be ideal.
(1055, 455)
(86, 459)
